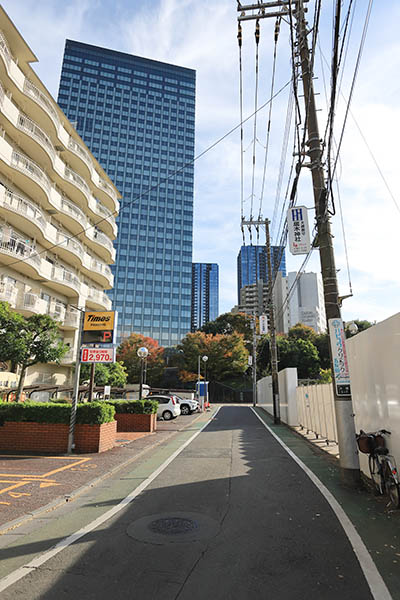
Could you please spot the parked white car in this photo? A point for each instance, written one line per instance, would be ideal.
(168, 406)
(188, 406)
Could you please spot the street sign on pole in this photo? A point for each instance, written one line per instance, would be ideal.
(263, 320)
(98, 355)
(299, 232)
(341, 372)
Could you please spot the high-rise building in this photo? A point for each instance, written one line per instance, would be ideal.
(252, 264)
(56, 207)
(205, 293)
(306, 303)
(138, 117)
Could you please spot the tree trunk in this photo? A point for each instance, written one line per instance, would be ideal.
(20, 383)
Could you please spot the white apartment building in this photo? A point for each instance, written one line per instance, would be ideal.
(306, 304)
(57, 207)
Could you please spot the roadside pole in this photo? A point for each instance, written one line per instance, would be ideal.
(91, 382)
(254, 361)
(75, 393)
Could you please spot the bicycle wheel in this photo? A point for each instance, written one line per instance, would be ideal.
(376, 474)
(392, 486)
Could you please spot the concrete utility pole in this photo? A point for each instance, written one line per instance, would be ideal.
(343, 403)
(271, 319)
(254, 360)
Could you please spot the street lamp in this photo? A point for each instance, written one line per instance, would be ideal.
(142, 354)
(205, 359)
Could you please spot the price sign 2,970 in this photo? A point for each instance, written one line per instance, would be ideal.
(98, 355)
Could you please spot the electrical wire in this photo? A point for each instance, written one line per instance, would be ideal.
(276, 37)
(257, 38)
(240, 39)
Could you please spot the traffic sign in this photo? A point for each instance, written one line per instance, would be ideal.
(98, 355)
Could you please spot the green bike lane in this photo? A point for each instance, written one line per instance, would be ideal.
(376, 523)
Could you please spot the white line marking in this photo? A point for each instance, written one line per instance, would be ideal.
(39, 560)
(374, 579)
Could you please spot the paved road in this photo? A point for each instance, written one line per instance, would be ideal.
(232, 516)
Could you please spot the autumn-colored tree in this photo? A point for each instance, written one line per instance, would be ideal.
(127, 353)
(302, 332)
(227, 356)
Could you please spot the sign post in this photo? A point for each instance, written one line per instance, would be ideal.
(341, 372)
(299, 231)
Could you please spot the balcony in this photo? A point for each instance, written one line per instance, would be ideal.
(8, 293)
(108, 193)
(80, 151)
(107, 219)
(104, 247)
(57, 311)
(98, 299)
(100, 268)
(71, 320)
(34, 131)
(30, 303)
(67, 245)
(33, 92)
(77, 180)
(29, 168)
(4, 50)
(23, 210)
(64, 281)
(13, 250)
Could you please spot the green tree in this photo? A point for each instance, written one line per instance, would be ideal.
(302, 332)
(229, 323)
(292, 352)
(28, 341)
(113, 374)
(227, 355)
(127, 353)
(323, 346)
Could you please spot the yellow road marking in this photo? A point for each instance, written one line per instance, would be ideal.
(49, 484)
(18, 494)
(13, 487)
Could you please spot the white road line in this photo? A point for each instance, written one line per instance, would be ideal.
(39, 560)
(374, 579)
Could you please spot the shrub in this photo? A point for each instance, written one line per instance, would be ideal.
(94, 413)
(138, 407)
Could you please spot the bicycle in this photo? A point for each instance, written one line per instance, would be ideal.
(382, 465)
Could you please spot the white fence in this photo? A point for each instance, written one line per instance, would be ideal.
(287, 380)
(316, 410)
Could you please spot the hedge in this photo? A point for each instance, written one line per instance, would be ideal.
(93, 413)
(138, 407)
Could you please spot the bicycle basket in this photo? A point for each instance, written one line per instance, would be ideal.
(369, 442)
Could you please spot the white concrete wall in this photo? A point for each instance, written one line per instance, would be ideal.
(287, 381)
(374, 361)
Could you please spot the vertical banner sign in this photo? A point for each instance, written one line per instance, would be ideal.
(263, 319)
(299, 232)
(339, 357)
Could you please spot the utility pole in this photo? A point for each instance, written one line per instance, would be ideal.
(254, 361)
(349, 460)
(271, 319)
(272, 331)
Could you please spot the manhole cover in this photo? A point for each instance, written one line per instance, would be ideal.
(173, 526)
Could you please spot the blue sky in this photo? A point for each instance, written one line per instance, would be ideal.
(202, 36)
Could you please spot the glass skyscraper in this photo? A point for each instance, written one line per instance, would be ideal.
(252, 264)
(138, 118)
(205, 293)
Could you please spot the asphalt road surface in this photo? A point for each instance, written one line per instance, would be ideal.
(231, 516)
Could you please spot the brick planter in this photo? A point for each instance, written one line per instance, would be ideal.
(135, 422)
(53, 437)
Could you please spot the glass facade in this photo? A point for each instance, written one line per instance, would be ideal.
(205, 293)
(252, 264)
(137, 116)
